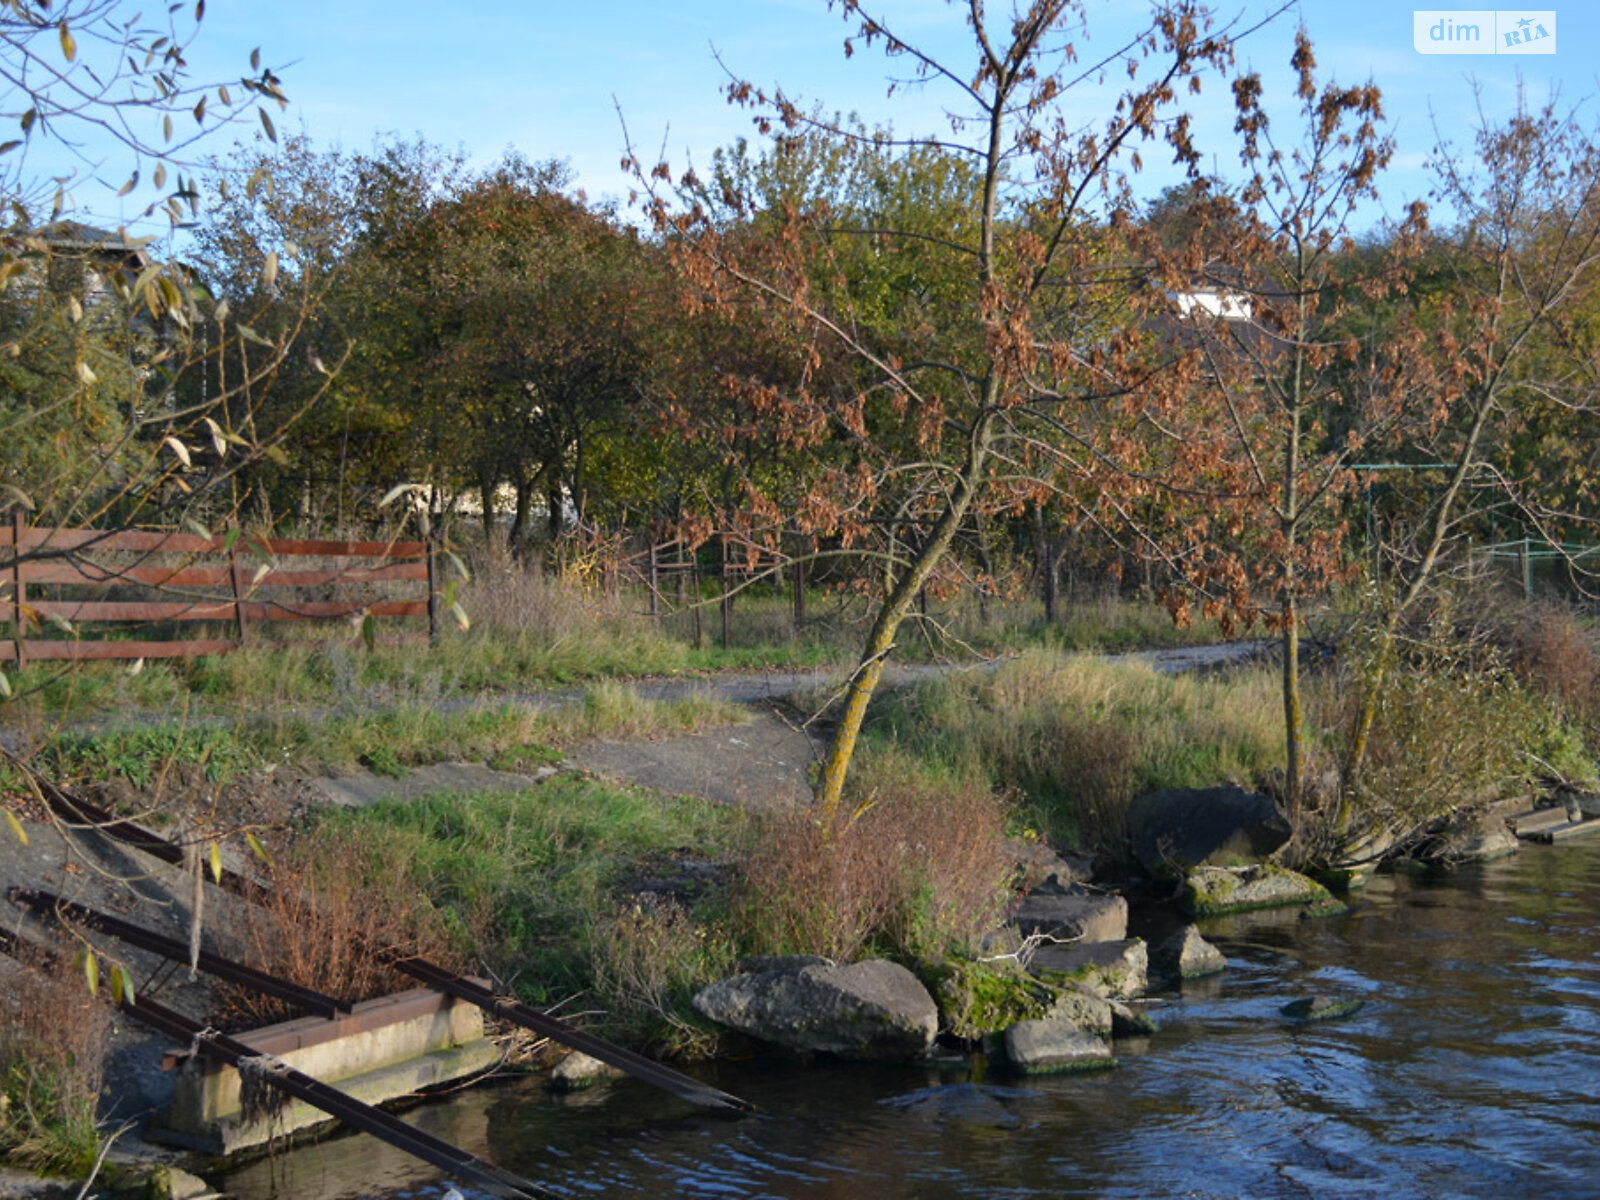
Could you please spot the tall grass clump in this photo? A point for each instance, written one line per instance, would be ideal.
(918, 869)
(52, 1062)
(1079, 737)
(333, 899)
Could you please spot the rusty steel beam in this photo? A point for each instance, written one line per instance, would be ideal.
(74, 808)
(641, 1068)
(313, 1002)
(644, 1069)
(416, 1142)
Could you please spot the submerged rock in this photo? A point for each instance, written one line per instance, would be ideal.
(578, 1071)
(1039, 1047)
(1193, 827)
(1127, 1021)
(1186, 955)
(868, 1010)
(1212, 891)
(1322, 1008)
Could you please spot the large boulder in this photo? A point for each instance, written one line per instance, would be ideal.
(1474, 837)
(1075, 913)
(1118, 969)
(1184, 828)
(1186, 955)
(1212, 891)
(868, 1010)
(1037, 1047)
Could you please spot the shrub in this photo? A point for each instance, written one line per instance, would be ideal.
(649, 957)
(334, 898)
(918, 870)
(52, 1057)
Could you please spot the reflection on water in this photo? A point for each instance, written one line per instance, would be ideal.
(1473, 1071)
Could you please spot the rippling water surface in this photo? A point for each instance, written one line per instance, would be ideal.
(1473, 1070)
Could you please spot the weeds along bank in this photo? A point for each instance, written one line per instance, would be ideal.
(621, 904)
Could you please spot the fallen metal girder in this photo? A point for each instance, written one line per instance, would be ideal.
(355, 1114)
(641, 1068)
(314, 1002)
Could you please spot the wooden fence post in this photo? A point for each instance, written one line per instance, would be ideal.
(237, 575)
(799, 594)
(727, 599)
(19, 617)
(655, 595)
(433, 594)
(694, 577)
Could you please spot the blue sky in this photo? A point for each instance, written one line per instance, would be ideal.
(547, 78)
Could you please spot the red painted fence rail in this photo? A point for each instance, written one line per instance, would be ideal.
(235, 578)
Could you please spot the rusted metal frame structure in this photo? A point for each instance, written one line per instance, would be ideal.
(352, 1112)
(277, 1074)
(640, 1067)
(314, 1002)
(45, 556)
(77, 811)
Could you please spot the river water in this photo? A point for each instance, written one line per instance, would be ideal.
(1473, 1070)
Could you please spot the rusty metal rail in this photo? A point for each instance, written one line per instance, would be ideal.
(355, 1114)
(314, 1002)
(641, 1068)
(75, 808)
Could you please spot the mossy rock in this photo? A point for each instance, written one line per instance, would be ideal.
(978, 998)
(1216, 891)
(1322, 1008)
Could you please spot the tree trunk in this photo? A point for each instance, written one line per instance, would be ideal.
(897, 602)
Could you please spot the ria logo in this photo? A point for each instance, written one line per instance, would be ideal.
(1483, 31)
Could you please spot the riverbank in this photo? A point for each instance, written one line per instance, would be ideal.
(1473, 1069)
(575, 888)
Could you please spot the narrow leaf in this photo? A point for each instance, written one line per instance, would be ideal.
(5, 687)
(257, 848)
(178, 448)
(269, 271)
(86, 376)
(460, 616)
(218, 443)
(138, 665)
(198, 529)
(266, 123)
(69, 47)
(16, 827)
(61, 623)
(216, 861)
(91, 971)
(369, 632)
(133, 182)
(262, 572)
(230, 539)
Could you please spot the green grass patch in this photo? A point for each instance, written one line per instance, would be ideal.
(385, 740)
(534, 874)
(1078, 736)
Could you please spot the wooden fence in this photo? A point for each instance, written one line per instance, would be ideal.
(137, 578)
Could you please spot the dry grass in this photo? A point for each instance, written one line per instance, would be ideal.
(919, 869)
(52, 1058)
(334, 900)
(1078, 736)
